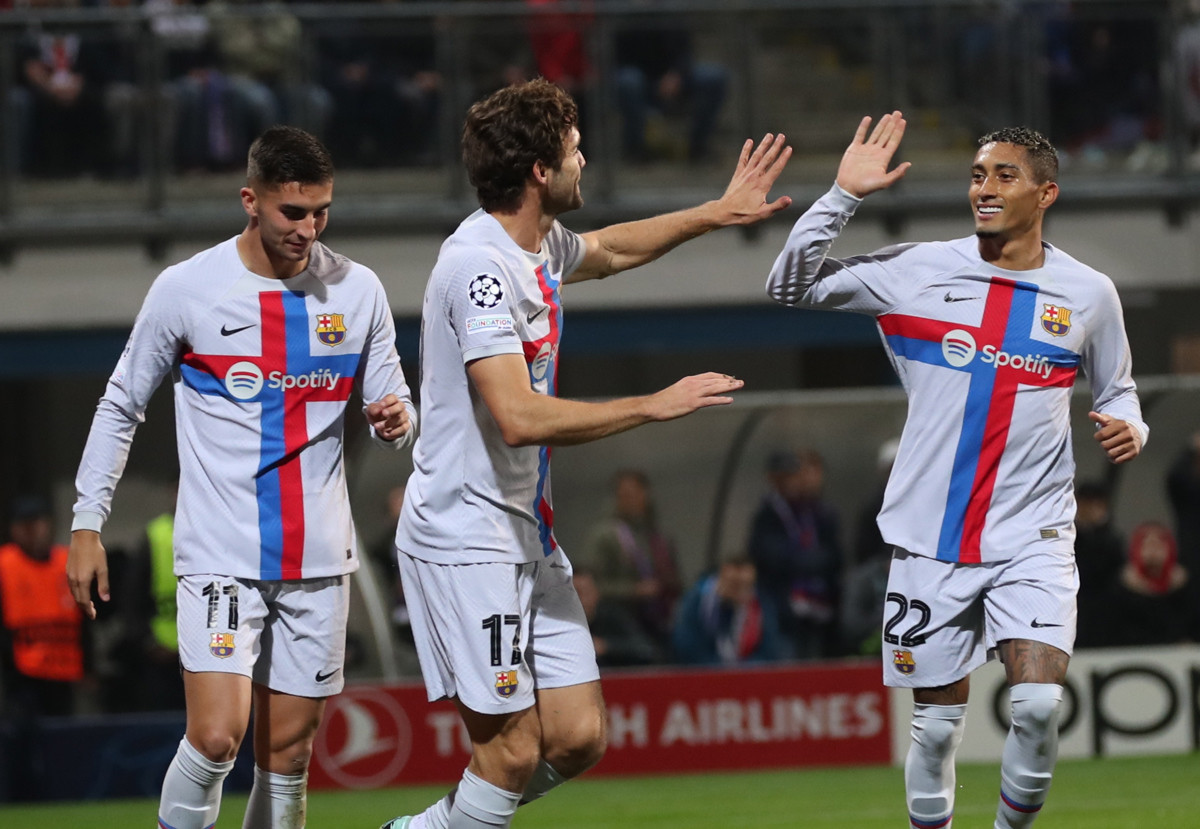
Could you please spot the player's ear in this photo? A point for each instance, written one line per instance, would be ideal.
(1049, 194)
(540, 172)
(250, 202)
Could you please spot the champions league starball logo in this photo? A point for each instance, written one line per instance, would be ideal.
(485, 291)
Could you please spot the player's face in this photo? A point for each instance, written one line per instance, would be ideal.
(290, 218)
(563, 191)
(1006, 197)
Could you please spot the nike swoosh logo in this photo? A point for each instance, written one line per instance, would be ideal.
(537, 313)
(225, 332)
(1035, 623)
(949, 298)
(322, 677)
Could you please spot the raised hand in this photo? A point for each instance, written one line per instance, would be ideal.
(864, 167)
(745, 199)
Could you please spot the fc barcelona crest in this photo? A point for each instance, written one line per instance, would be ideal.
(506, 683)
(331, 330)
(903, 661)
(221, 645)
(1056, 319)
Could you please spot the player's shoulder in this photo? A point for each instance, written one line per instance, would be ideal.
(333, 268)
(202, 274)
(478, 246)
(1068, 265)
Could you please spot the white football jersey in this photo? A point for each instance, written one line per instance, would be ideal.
(262, 370)
(988, 358)
(471, 497)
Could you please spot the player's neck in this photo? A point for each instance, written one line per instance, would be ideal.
(527, 225)
(1022, 253)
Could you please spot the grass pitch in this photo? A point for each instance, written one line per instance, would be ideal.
(1126, 793)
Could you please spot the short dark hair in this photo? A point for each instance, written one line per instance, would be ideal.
(508, 132)
(283, 154)
(1043, 158)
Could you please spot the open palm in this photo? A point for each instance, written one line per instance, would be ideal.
(864, 167)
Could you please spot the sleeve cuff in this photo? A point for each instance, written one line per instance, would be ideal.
(93, 521)
(847, 202)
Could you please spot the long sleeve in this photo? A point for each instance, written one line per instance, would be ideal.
(380, 373)
(1108, 365)
(803, 275)
(150, 353)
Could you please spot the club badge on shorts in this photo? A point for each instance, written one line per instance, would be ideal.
(221, 645)
(903, 661)
(506, 683)
(331, 329)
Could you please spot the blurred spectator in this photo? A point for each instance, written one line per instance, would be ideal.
(262, 56)
(1187, 58)
(64, 77)
(1149, 604)
(1183, 491)
(865, 588)
(633, 560)
(42, 657)
(1099, 558)
(385, 90)
(727, 620)
(206, 115)
(618, 638)
(560, 52)
(42, 654)
(794, 543)
(149, 646)
(659, 77)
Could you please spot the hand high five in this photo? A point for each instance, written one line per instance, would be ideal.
(864, 167)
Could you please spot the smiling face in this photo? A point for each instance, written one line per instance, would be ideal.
(288, 219)
(1006, 196)
(562, 185)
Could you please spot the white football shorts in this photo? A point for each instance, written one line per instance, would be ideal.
(942, 619)
(491, 634)
(287, 635)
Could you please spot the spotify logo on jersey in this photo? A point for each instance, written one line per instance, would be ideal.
(958, 347)
(244, 380)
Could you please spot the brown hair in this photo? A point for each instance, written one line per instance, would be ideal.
(508, 132)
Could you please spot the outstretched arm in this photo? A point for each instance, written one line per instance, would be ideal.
(620, 247)
(527, 418)
(864, 167)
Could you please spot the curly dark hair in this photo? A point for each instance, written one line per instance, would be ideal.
(508, 132)
(285, 154)
(1043, 158)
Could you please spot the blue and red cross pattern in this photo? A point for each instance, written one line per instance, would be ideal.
(281, 381)
(999, 355)
(541, 355)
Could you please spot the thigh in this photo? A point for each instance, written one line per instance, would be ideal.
(1033, 598)
(933, 625)
(220, 621)
(561, 651)
(471, 625)
(304, 636)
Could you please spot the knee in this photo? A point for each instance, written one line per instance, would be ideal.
(1035, 707)
(216, 744)
(938, 728)
(576, 750)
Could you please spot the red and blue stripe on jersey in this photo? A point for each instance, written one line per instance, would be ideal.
(1008, 316)
(541, 355)
(279, 480)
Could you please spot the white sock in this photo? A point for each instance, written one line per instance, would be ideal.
(277, 801)
(436, 816)
(544, 779)
(480, 805)
(191, 791)
(929, 767)
(1029, 753)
